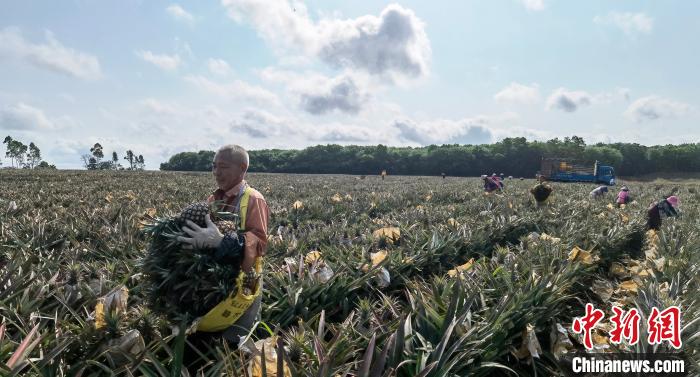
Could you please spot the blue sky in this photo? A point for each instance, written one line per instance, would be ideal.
(161, 77)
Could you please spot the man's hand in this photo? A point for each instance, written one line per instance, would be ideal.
(201, 238)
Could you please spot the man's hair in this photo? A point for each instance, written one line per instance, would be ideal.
(236, 153)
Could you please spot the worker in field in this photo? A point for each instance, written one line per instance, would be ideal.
(490, 185)
(383, 174)
(599, 192)
(443, 175)
(623, 197)
(663, 208)
(498, 180)
(234, 195)
(541, 192)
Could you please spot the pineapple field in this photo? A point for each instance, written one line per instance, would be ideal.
(364, 276)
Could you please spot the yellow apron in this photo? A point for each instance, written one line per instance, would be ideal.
(227, 312)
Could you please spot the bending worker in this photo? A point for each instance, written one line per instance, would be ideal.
(541, 192)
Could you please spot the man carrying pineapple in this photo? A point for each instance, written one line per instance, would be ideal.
(234, 195)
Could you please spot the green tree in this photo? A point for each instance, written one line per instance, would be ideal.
(140, 163)
(34, 155)
(15, 151)
(45, 165)
(131, 158)
(115, 160)
(97, 153)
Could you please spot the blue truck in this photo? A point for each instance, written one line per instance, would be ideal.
(565, 170)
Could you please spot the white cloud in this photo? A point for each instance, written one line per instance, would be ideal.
(162, 61)
(51, 55)
(566, 100)
(343, 133)
(519, 93)
(534, 5)
(343, 95)
(442, 131)
(611, 96)
(630, 23)
(318, 94)
(218, 67)
(235, 89)
(23, 117)
(179, 14)
(393, 45)
(260, 124)
(654, 107)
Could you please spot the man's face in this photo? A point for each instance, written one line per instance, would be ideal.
(226, 172)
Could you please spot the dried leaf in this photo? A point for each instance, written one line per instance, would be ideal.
(392, 234)
(255, 367)
(583, 256)
(628, 285)
(459, 269)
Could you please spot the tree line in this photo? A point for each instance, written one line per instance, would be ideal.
(94, 160)
(24, 156)
(512, 156)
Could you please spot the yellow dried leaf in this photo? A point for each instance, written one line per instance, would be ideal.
(270, 356)
(336, 198)
(610, 206)
(583, 256)
(547, 237)
(100, 314)
(109, 198)
(298, 205)
(629, 285)
(618, 270)
(378, 257)
(392, 234)
(461, 268)
(600, 340)
(312, 256)
(130, 196)
(348, 197)
(452, 222)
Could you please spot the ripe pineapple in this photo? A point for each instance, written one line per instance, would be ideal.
(226, 226)
(195, 212)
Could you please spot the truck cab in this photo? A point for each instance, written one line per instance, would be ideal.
(605, 174)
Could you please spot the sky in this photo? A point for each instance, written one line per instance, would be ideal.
(161, 77)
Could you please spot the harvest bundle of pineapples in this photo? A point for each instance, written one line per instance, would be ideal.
(182, 282)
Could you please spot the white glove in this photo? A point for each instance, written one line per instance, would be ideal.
(202, 238)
